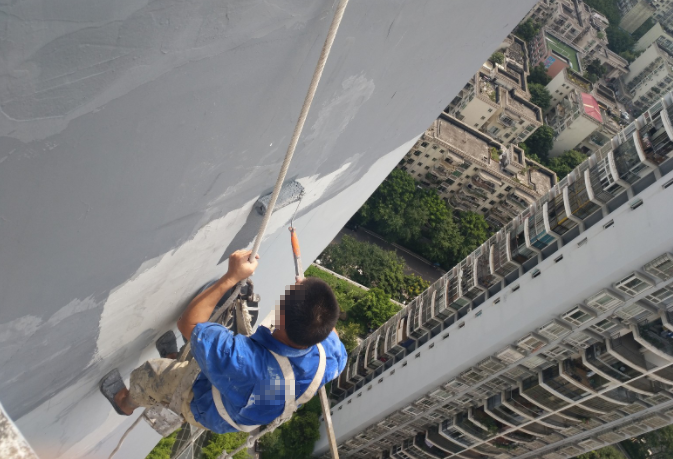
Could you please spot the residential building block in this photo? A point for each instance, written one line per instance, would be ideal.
(473, 172)
(543, 342)
(650, 76)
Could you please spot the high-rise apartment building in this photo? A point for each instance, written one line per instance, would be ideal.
(635, 13)
(650, 76)
(496, 100)
(655, 34)
(475, 173)
(553, 338)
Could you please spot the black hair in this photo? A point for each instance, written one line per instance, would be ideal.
(311, 311)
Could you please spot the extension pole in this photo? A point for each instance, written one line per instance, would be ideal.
(324, 401)
(317, 74)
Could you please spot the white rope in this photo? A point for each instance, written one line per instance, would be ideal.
(308, 100)
(317, 74)
(121, 440)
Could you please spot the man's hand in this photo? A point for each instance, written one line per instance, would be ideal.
(239, 266)
(201, 307)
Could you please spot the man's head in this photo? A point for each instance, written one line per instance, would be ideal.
(309, 311)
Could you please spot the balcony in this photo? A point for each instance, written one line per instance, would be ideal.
(469, 428)
(435, 438)
(534, 391)
(449, 431)
(655, 337)
(476, 191)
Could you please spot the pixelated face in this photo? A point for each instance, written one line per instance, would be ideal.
(294, 291)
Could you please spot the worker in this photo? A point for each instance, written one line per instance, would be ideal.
(236, 382)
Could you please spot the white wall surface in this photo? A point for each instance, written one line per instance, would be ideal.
(136, 135)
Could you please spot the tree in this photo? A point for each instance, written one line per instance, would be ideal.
(538, 75)
(541, 141)
(630, 55)
(497, 58)
(527, 30)
(374, 309)
(618, 39)
(539, 95)
(163, 449)
(414, 286)
(594, 70)
(565, 163)
(346, 293)
(607, 8)
(296, 438)
(348, 334)
(218, 443)
(474, 230)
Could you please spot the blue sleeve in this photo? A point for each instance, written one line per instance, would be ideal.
(213, 347)
(336, 357)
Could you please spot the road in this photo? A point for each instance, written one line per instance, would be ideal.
(413, 264)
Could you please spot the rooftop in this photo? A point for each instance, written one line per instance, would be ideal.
(563, 50)
(591, 107)
(524, 107)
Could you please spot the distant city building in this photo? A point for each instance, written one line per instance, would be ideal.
(580, 119)
(554, 53)
(553, 338)
(635, 13)
(650, 76)
(473, 172)
(663, 13)
(496, 100)
(655, 34)
(575, 23)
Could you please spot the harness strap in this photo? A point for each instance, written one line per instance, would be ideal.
(291, 403)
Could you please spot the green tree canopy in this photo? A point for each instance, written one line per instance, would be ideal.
(643, 29)
(565, 163)
(618, 39)
(374, 309)
(366, 264)
(607, 8)
(609, 452)
(474, 230)
(497, 58)
(594, 70)
(349, 333)
(538, 75)
(296, 438)
(541, 142)
(218, 443)
(539, 95)
(527, 30)
(415, 217)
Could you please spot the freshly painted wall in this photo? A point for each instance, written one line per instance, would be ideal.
(135, 137)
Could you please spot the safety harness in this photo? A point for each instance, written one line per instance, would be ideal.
(291, 403)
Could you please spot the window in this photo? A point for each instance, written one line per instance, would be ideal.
(530, 343)
(603, 326)
(522, 121)
(417, 153)
(576, 316)
(508, 188)
(500, 195)
(427, 155)
(490, 110)
(427, 167)
(633, 284)
(491, 202)
(434, 147)
(420, 175)
(413, 171)
(483, 117)
(434, 159)
(420, 164)
(476, 124)
(484, 209)
(604, 301)
(424, 144)
(508, 135)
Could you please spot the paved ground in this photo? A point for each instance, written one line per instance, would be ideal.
(414, 264)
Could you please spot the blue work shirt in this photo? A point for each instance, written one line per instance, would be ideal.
(249, 377)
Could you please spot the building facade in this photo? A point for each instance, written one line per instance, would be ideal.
(473, 172)
(553, 338)
(650, 76)
(656, 34)
(635, 13)
(556, 55)
(496, 100)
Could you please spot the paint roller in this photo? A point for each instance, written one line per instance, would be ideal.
(289, 193)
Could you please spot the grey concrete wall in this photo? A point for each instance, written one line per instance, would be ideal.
(135, 137)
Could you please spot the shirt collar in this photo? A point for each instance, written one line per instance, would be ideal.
(264, 338)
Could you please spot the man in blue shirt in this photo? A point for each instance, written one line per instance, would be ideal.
(237, 382)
